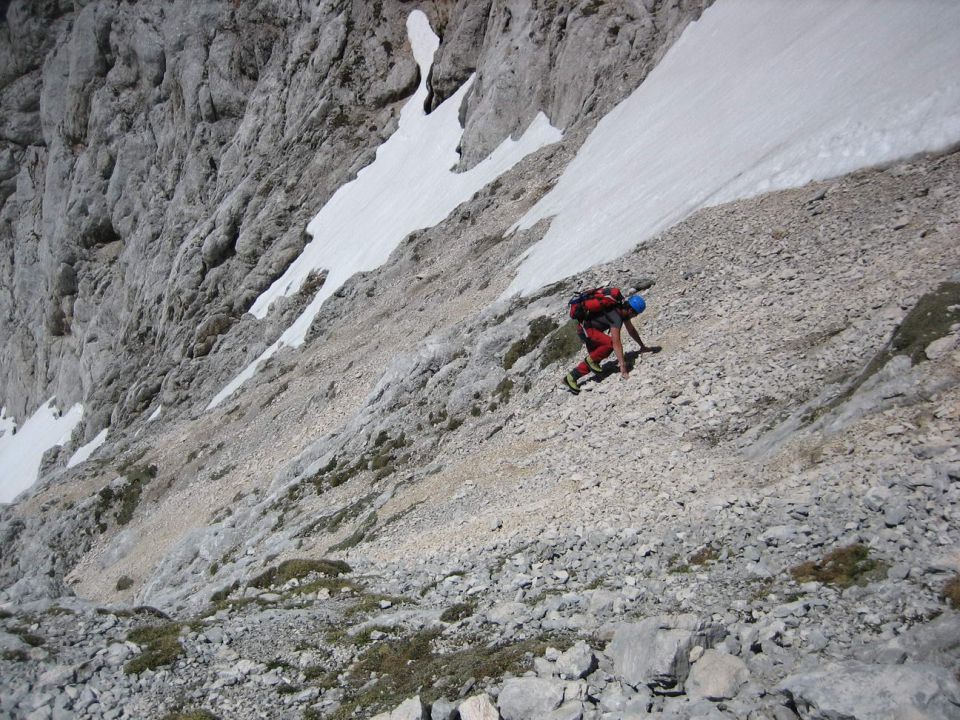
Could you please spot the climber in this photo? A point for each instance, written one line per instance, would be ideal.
(600, 311)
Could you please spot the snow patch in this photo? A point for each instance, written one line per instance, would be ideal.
(409, 186)
(753, 97)
(85, 451)
(21, 451)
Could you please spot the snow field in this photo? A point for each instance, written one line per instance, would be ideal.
(753, 97)
(21, 450)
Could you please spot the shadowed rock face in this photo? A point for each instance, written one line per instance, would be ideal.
(158, 163)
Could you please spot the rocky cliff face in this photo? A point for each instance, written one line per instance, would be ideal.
(159, 163)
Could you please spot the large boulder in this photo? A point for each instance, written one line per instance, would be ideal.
(716, 676)
(477, 707)
(529, 698)
(860, 691)
(655, 652)
(577, 662)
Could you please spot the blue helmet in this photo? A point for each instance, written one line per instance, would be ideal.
(637, 303)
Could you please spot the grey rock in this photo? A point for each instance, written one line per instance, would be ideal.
(655, 652)
(567, 711)
(478, 707)
(716, 676)
(508, 612)
(860, 691)
(529, 698)
(442, 709)
(410, 709)
(577, 662)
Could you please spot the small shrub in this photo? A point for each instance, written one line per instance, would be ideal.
(30, 638)
(563, 344)
(503, 390)
(454, 424)
(409, 665)
(951, 592)
(15, 655)
(707, 554)
(843, 567)
(124, 583)
(161, 646)
(298, 568)
(358, 535)
(539, 328)
(457, 612)
(191, 715)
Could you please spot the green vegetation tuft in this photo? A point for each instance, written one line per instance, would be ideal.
(160, 647)
(707, 554)
(457, 612)
(124, 583)
(127, 496)
(843, 567)
(503, 390)
(563, 344)
(539, 328)
(31, 639)
(951, 592)
(298, 568)
(193, 714)
(409, 665)
(371, 603)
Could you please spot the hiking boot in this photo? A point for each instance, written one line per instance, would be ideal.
(594, 365)
(571, 384)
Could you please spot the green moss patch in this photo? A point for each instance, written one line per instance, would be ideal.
(410, 665)
(358, 535)
(457, 612)
(126, 498)
(563, 344)
(843, 567)
(539, 328)
(31, 639)
(160, 644)
(191, 715)
(298, 568)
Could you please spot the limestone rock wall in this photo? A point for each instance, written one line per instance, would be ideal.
(159, 162)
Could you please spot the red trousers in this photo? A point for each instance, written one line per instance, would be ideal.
(599, 346)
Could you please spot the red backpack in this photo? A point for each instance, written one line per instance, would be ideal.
(588, 303)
